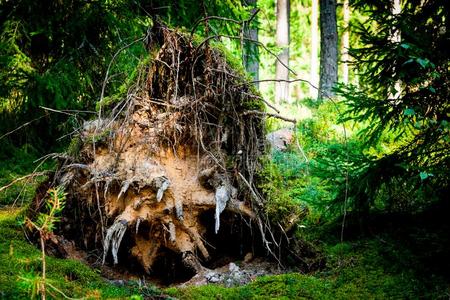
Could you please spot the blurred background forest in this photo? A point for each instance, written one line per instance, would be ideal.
(368, 86)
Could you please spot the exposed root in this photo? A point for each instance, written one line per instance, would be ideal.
(221, 196)
(113, 238)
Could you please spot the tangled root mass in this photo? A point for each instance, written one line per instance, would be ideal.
(183, 147)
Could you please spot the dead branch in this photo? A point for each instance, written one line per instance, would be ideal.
(70, 112)
(105, 81)
(35, 174)
(284, 80)
(22, 126)
(249, 20)
(262, 113)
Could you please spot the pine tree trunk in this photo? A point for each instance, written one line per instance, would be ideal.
(282, 73)
(251, 53)
(345, 41)
(314, 62)
(329, 48)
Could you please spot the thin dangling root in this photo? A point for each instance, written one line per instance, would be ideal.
(114, 236)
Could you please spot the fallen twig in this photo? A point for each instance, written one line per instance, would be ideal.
(21, 126)
(35, 174)
(262, 113)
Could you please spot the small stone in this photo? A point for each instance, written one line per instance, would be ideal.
(212, 277)
(233, 267)
(118, 282)
(248, 257)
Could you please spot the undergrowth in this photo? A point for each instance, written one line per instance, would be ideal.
(20, 263)
(371, 268)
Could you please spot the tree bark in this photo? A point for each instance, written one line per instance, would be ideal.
(250, 52)
(345, 41)
(328, 48)
(282, 34)
(314, 61)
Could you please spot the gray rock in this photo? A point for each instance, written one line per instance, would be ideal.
(280, 139)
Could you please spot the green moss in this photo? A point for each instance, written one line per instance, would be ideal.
(279, 204)
(75, 146)
(287, 286)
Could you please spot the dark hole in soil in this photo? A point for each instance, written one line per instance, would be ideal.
(169, 269)
(236, 238)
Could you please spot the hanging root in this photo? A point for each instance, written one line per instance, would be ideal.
(221, 196)
(113, 238)
(161, 184)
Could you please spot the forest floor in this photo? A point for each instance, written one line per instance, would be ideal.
(381, 267)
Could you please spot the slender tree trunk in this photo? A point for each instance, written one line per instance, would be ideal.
(345, 41)
(328, 48)
(396, 38)
(250, 52)
(314, 61)
(282, 73)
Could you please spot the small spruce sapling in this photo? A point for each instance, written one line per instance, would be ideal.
(45, 225)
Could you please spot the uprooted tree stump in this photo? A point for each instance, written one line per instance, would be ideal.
(168, 175)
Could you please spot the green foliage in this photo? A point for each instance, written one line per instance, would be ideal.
(44, 224)
(54, 204)
(59, 61)
(405, 136)
(279, 205)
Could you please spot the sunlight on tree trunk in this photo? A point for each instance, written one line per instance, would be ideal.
(282, 73)
(314, 61)
(345, 41)
(328, 48)
(251, 53)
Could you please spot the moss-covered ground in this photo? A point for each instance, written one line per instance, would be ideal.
(354, 271)
(366, 269)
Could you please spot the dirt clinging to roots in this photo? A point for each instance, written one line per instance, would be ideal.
(172, 166)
